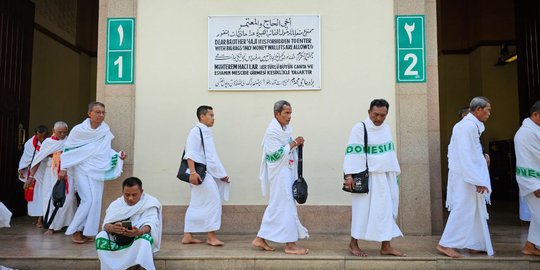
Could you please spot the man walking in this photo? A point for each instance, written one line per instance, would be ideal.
(468, 186)
(527, 145)
(50, 152)
(88, 154)
(204, 211)
(280, 222)
(33, 183)
(374, 213)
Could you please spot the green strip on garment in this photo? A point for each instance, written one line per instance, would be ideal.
(371, 149)
(526, 172)
(275, 156)
(109, 245)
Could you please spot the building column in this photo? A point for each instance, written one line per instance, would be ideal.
(419, 135)
(119, 99)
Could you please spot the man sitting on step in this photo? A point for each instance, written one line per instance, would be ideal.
(132, 230)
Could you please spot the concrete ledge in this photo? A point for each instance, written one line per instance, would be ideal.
(246, 219)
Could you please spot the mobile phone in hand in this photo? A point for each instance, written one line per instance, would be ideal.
(126, 224)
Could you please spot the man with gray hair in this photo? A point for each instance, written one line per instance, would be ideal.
(469, 186)
(50, 152)
(279, 163)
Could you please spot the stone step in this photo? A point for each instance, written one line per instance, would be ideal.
(31, 250)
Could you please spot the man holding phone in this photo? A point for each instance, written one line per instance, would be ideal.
(132, 229)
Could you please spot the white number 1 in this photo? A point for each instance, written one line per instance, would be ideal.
(119, 63)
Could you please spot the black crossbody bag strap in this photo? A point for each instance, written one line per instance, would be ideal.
(365, 144)
(300, 159)
(202, 142)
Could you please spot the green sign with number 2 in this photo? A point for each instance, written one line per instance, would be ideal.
(410, 49)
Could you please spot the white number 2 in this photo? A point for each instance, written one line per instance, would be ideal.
(119, 63)
(409, 71)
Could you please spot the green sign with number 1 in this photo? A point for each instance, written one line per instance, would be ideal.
(410, 49)
(120, 40)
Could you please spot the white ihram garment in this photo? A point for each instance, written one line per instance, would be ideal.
(204, 211)
(527, 145)
(467, 223)
(35, 207)
(280, 222)
(374, 214)
(53, 147)
(88, 153)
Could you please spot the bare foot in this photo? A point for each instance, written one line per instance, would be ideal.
(48, 232)
(213, 240)
(77, 238)
(292, 248)
(450, 252)
(530, 249)
(387, 249)
(189, 239)
(356, 251)
(88, 239)
(261, 243)
(39, 222)
(474, 251)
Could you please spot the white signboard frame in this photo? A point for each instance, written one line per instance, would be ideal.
(281, 52)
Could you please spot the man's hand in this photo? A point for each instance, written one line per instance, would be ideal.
(21, 174)
(481, 189)
(225, 179)
(299, 140)
(348, 182)
(62, 174)
(195, 179)
(488, 159)
(134, 232)
(29, 182)
(116, 228)
(123, 155)
(537, 193)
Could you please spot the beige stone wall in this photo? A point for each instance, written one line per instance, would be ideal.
(171, 76)
(151, 119)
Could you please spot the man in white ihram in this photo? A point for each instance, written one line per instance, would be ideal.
(469, 186)
(374, 213)
(50, 152)
(144, 213)
(204, 211)
(89, 156)
(527, 145)
(279, 163)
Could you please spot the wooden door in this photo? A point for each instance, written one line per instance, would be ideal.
(16, 43)
(528, 48)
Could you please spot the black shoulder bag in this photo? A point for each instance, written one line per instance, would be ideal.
(361, 179)
(199, 167)
(58, 197)
(300, 186)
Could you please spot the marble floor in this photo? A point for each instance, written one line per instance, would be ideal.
(23, 246)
